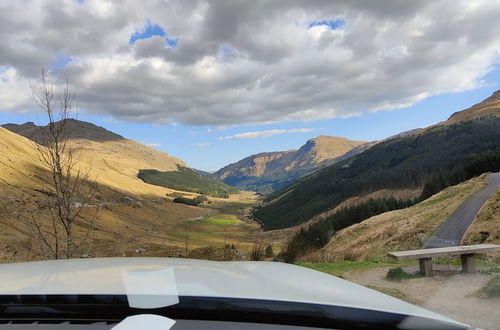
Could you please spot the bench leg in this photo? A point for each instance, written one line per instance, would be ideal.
(426, 266)
(468, 263)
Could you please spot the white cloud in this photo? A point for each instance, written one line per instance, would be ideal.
(201, 144)
(153, 145)
(264, 134)
(388, 54)
(14, 90)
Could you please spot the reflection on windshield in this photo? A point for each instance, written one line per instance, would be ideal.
(327, 164)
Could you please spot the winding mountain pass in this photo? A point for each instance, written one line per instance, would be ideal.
(453, 229)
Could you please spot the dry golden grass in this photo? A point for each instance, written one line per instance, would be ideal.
(329, 147)
(486, 227)
(405, 229)
(119, 230)
(116, 163)
(18, 164)
(488, 107)
(124, 226)
(113, 164)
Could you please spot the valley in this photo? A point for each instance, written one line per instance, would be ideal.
(356, 200)
(153, 227)
(250, 164)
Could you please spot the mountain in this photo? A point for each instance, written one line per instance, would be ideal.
(490, 107)
(117, 161)
(407, 162)
(75, 129)
(113, 160)
(272, 170)
(129, 210)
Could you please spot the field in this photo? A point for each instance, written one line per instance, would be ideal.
(215, 231)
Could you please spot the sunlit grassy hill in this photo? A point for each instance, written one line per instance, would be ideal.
(404, 229)
(133, 215)
(488, 107)
(19, 164)
(111, 160)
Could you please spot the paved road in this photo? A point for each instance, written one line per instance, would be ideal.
(453, 229)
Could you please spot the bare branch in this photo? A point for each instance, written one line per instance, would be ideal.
(70, 190)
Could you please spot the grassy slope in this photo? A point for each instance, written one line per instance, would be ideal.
(18, 164)
(116, 164)
(486, 228)
(394, 164)
(122, 226)
(397, 230)
(113, 164)
(119, 230)
(216, 230)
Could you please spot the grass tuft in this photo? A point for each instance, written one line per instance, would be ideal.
(398, 274)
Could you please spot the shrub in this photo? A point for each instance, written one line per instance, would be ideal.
(184, 200)
(258, 252)
(398, 274)
(201, 199)
(269, 252)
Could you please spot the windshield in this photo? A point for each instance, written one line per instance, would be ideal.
(305, 163)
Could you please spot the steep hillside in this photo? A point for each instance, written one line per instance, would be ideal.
(273, 170)
(18, 164)
(404, 229)
(488, 107)
(394, 164)
(134, 216)
(486, 227)
(113, 160)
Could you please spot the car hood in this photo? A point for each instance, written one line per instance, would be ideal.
(199, 278)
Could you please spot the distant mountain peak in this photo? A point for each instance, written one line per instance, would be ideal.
(315, 153)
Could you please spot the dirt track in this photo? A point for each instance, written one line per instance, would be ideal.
(449, 293)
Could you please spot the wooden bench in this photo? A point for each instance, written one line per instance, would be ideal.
(467, 253)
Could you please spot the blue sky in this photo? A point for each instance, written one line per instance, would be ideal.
(214, 82)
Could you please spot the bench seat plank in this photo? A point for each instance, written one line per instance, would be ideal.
(445, 251)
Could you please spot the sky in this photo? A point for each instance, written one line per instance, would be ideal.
(212, 82)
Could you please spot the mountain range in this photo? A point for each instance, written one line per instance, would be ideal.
(269, 171)
(405, 162)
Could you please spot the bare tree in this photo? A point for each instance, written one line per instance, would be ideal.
(69, 189)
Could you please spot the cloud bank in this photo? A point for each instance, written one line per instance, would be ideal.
(264, 134)
(242, 62)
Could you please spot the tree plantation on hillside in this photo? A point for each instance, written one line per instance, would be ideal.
(395, 164)
(186, 179)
